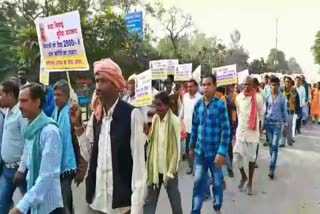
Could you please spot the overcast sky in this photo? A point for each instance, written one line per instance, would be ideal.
(256, 20)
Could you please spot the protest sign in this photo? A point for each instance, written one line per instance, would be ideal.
(143, 89)
(172, 65)
(43, 75)
(196, 75)
(159, 69)
(226, 75)
(242, 75)
(60, 41)
(183, 72)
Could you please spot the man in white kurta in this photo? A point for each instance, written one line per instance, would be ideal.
(247, 138)
(116, 150)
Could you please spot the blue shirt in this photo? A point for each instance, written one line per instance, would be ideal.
(12, 137)
(45, 195)
(210, 132)
(49, 103)
(276, 110)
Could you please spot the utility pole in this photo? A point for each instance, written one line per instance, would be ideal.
(276, 51)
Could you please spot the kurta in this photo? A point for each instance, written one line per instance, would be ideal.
(315, 103)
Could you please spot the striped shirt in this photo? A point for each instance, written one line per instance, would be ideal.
(45, 196)
(210, 132)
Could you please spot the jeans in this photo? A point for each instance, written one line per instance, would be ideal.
(66, 182)
(7, 188)
(202, 165)
(274, 134)
(288, 138)
(172, 188)
(229, 158)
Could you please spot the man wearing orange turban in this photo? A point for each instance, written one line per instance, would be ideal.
(113, 143)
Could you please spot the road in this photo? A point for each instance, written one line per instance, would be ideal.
(295, 189)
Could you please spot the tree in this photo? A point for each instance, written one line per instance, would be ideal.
(237, 54)
(316, 48)
(257, 66)
(293, 66)
(277, 61)
(176, 24)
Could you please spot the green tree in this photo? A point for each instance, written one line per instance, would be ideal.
(258, 66)
(277, 61)
(316, 48)
(294, 67)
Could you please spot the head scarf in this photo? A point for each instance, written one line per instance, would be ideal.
(111, 71)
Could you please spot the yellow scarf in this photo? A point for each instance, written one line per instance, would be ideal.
(171, 155)
(291, 99)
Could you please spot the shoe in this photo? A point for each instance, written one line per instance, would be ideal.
(230, 173)
(282, 146)
(271, 175)
(190, 171)
(265, 144)
(290, 144)
(298, 131)
(293, 141)
(256, 166)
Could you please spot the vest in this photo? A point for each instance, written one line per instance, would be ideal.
(120, 135)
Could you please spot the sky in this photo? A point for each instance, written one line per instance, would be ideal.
(298, 22)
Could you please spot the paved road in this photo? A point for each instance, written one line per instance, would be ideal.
(295, 189)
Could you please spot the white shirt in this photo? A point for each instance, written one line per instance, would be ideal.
(104, 184)
(302, 95)
(243, 105)
(161, 144)
(150, 108)
(187, 109)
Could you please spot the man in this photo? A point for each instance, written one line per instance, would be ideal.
(175, 102)
(113, 143)
(276, 116)
(164, 156)
(250, 112)
(72, 165)
(232, 112)
(267, 87)
(189, 101)
(305, 110)
(302, 97)
(257, 88)
(210, 138)
(42, 154)
(12, 145)
(131, 98)
(22, 75)
(293, 105)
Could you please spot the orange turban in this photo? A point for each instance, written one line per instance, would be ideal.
(111, 71)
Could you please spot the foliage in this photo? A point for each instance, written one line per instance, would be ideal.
(277, 61)
(316, 48)
(258, 66)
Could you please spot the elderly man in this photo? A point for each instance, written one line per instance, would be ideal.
(131, 98)
(250, 112)
(113, 143)
(72, 165)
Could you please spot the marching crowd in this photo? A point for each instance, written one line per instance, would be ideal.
(126, 154)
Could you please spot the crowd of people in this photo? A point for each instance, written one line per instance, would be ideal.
(126, 154)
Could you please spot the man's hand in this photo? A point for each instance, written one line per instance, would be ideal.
(146, 129)
(191, 153)
(15, 211)
(285, 131)
(75, 114)
(219, 161)
(19, 178)
(81, 173)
